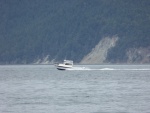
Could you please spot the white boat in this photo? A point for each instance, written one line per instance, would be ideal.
(65, 65)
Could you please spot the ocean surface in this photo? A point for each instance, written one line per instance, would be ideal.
(83, 89)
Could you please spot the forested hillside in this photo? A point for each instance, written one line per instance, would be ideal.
(33, 29)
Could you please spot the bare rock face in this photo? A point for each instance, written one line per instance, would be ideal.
(99, 53)
(138, 55)
(44, 60)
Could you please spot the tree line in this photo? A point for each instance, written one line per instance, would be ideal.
(30, 30)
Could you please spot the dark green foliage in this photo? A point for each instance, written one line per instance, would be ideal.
(32, 29)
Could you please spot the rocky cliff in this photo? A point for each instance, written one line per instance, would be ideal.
(139, 55)
(99, 53)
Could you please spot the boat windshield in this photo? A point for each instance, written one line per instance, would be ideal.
(68, 62)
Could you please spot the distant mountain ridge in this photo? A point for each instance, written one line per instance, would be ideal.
(51, 30)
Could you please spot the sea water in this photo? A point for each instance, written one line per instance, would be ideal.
(83, 89)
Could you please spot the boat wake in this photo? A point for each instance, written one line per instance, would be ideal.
(106, 69)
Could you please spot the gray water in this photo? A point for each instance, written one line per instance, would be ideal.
(92, 89)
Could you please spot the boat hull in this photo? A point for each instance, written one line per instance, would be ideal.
(62, 68)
